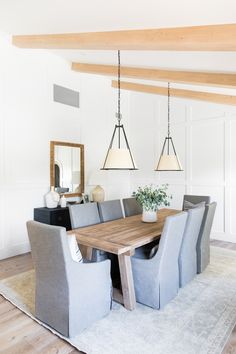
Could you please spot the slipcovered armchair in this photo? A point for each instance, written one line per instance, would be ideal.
(82, 215)
(188, 254)
(195, 199)
(203, 242)
(131, 207)
(110, 210)
(69, 296)
(156, 280)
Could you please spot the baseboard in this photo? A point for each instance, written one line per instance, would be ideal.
(14, 250)
(223, 237)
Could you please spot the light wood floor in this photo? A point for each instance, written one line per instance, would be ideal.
(19, 334)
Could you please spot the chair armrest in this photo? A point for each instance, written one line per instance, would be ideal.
(145, 264)
(87, 271)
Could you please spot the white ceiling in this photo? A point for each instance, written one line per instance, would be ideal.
(65, 16)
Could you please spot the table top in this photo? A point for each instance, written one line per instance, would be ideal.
(122, 235)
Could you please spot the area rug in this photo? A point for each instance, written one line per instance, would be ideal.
(198, 321)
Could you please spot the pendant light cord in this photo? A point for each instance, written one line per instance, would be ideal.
(119, 115)
(168, 114)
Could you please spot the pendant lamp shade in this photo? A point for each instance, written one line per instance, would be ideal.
(169, 163)
(168, 160)
(119, 159)
(119, 156)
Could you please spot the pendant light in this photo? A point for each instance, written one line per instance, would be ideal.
(168, 160)
(119, 157)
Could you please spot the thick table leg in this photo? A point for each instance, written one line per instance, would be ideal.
(127, 282)
(89, 253)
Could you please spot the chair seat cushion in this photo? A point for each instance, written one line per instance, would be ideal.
(74, 249)
(188, 205)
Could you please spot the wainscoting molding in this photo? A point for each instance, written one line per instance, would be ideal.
(203, 134)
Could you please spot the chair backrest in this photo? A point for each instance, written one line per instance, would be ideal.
(51, 254)
(195, 199)
(188, 253)
(110, 210)
(131, 207)
(203, 242)
(192, 229)
(208, 219)
(170, 242)
(84, 215)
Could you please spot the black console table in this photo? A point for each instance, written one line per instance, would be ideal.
(53, 216)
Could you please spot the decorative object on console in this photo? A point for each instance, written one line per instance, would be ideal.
(52, 198)
(119, 158)
(98, 194)
(168, 160)
(150, 198)
(97, 179)
(85, 198)
(63, 202)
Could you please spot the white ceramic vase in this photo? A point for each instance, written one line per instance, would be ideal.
(149, 216)
(98, 194)
(52, 199)
(63, 202)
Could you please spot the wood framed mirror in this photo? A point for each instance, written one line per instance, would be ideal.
(67, 168)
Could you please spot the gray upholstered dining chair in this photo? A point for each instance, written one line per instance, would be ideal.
(203, 243)
(194, 199)
(188, 253)
(110, 210)
(69, 296)
(131, 207)
(82, 215)
(156, 280)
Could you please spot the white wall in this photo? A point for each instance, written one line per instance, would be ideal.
(29, 119)
(204, 137)
(98, 108)
(203, 134)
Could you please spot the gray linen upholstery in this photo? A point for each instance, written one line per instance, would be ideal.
(156, 280)
(69, 296)
(188, 254)
(203, 243)
(196, 199)
(131, 207)
(82, 215)
(147, 250)
(110, 210)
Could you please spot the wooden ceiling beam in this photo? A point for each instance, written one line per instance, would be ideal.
(183, 77)
(187, 94)
(197, 38)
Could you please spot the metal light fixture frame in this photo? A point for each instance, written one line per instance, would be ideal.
(119, 129)
(169, 144)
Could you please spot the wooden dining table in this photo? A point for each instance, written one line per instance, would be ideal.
(121, 237)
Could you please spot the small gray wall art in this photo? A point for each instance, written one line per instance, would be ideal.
(65, 96)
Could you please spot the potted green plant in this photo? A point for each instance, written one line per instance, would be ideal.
(151, 198)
